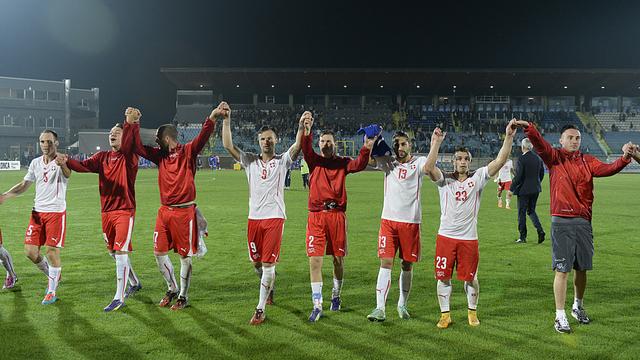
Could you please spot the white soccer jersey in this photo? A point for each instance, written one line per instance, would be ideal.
(402, 185)
(504, 174)
(51, 185)
(266, 184)
(459, 205)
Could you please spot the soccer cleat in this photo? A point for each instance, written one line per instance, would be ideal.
(403, 313)
(500, 203)
(168, 298)
(132, 289)
(316, 314)
(180, 304)
(445, 320)
(258, 317)
(580, 315)
(114, 305)
(472, 315)
(377, 315)
(541, 237)
(562, 325)
(336, 304)
(521, 241)
(270, 298)
(10, 282)
(508, 207)
(50, 298)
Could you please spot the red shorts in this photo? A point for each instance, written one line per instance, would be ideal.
(399, 237)
(264, 237)
(326, 233)
(463, 254)
(46, 228)
(117, 228)
(177, 229)
(504, 185)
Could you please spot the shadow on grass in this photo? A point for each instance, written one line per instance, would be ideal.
(19, 327)
(159, 321)
(80, 335)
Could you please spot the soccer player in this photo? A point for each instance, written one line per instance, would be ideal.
(266, 174)
(571, 176)
(327, 223)
(117, 170)
(48, 218)
(176, 224)
(400, 222)
(504, 183)
(7, 262)
(457, 240)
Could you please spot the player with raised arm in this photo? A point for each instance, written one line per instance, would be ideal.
(327, 223)
(176, 224)
(117, 170)
(457, 241)
(47, 226)
(266, 174)
(504, 183)
(7, 262)
(571, 176)
(400, 222)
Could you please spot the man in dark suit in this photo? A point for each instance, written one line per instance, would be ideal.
(526, 185)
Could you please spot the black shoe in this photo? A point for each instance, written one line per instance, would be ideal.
(541, 237)
(521, 241)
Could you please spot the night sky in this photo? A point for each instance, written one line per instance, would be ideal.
(119, 46)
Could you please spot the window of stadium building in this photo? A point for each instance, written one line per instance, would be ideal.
(53, 96)
(5, 92)
(41, 95)
(17, 93)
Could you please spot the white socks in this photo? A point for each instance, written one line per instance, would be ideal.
(337, 288)
(43, 265)
(7, 261)
(266, 284)
(185, 276)
(166, 269)
(577, 303)
(54, 278)
(122, 273)
(316, 294)
(406, 278)
(382, 287)
(560, 314)
(444, 294)
(472, 288)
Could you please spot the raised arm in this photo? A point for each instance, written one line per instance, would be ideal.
(430, 167)
(127, 142)
(505, 150)
(294, 150)
(208, 127)
(310, 156)
(360, 163)
(542, 147)
(132, 125)
(227, 140)
(600, 169)
(90, 165)
(636, 153)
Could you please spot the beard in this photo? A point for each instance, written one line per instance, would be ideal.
(327, 151)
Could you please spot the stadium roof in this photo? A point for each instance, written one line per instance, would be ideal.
(409, 81)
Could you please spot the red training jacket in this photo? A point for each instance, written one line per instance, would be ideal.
(571, 176)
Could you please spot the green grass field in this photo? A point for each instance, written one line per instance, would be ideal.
(516, 300)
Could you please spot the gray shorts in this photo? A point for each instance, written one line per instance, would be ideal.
(572, 244)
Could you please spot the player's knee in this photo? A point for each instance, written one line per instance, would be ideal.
(31, 254)
(386, 263)
(338, 261)
(446, 282)
(407, 265)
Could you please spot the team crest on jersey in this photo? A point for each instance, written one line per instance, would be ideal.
(471, 183)
(272, 165)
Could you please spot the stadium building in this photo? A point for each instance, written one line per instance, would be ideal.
(473, 105)
(27, 106)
